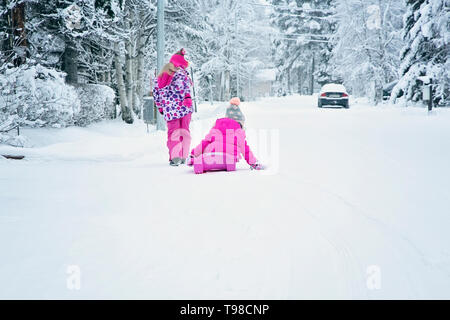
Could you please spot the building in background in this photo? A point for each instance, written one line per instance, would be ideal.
(261, 85)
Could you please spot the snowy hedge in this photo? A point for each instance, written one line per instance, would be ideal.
(37, 96)
(97, 103)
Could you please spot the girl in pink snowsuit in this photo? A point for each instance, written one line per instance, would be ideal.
(172, 94)
(224, 145)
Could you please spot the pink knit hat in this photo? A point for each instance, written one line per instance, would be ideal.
(178, 59)
(236, 101)
(234, 112)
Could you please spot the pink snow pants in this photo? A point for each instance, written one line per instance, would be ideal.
(179, 137)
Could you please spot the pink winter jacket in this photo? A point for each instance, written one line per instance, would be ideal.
(226, 136)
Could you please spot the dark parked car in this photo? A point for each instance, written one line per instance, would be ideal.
(333, 94)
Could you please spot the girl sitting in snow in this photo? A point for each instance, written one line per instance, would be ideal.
(224, 144)
(172, 94)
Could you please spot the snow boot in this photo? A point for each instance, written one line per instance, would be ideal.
(175, 162)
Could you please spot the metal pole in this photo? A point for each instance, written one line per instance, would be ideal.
(236, 51)
(193, 90)
(160, 124)
(430, 102)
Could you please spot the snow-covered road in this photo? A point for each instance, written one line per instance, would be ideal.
(356, 204)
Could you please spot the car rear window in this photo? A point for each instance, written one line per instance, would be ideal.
(332, 87)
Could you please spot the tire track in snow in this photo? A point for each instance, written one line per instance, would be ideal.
(402, 249)
(349, 264)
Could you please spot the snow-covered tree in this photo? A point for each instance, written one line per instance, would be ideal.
(13, 34)
(426, 50)
(227, 41)
(113, 43)
(45, 69)
(57, 29)
(367, 44)
(301, 48)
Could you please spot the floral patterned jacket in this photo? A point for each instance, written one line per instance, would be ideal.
(170, 93)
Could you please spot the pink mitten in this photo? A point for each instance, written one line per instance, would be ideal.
(187, 102)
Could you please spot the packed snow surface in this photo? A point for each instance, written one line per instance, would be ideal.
(354, 205)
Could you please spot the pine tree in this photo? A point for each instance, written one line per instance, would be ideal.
(426, 50)
(305, 27)
(64, 20)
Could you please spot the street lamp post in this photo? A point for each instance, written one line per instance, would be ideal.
(237, 61)
(160, 125)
